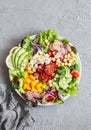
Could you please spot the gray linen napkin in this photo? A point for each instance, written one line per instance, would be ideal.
(14, 114)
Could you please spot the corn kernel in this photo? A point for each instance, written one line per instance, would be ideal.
(40, 90)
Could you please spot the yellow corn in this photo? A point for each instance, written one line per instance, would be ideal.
(32, 77)
(31, 83)
(33, 89)
(27, 87)
(40, 90)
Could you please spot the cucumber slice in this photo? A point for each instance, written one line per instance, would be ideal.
(19, 53)
(68, 80)
(63, 84)
(14, 55)
(55, 85)
(68, 74)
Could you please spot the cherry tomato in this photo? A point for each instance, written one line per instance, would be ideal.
(75, 73)
(50, 53)
(15, 80)
(50, 68)
(41, 68)
(44, 77)
(49, 99)
(36, 75)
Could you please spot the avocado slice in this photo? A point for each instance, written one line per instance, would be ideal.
(17, 56)
(24, 60)
(21, 59)
(14, 55)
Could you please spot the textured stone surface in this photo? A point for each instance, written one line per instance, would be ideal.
(71, 19)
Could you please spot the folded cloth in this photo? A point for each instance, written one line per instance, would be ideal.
(14, 114)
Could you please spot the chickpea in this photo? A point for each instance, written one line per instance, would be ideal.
(66, 56)
(50, 85)
(55, 78)
(56, 57)
(65, 60)
(69, 64)
(58, 60)
(66, 64)
(62, 64)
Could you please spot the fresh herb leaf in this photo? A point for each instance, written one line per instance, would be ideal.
(49, 35)
(26, 44)
(65, 41)
(74, 49)
(20, 75)
(17, 73)
(60, 102)
(15, 85)
(75, 66)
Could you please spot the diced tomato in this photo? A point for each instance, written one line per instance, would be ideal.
(50, 68)
(36, 75)
(50, 53)
(45, 72)
(49, 99)
(55, 93)
(44, 77)
(41, 68)
(75, 73)
(53, 64)
(15, 80)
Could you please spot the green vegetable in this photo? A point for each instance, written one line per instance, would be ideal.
(18, 86)
(68, 74)
(15, 85)
(65, 41)
(63, 92)
(21, 90)
(73, 87)
(61, 71)
(17, 73)
(63, 84)
(74, 66)
(74, 49)
(46, 86)
(49, 35)
(26, 44)
(60, 102)
(56, 85)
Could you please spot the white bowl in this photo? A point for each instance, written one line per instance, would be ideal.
(63, 98)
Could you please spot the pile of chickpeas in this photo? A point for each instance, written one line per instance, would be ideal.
(67, 60)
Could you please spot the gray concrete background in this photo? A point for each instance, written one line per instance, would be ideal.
(71, 19)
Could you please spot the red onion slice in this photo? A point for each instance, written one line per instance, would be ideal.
(37, 95)
(51, 47)
(44, 98)
(30, 96)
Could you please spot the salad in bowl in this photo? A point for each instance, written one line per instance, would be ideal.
(44, 68)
